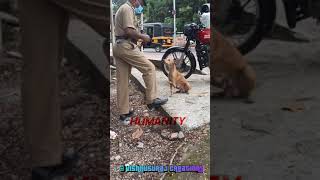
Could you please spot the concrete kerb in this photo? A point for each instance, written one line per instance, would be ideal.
(157, 63)
(190, 105)
(161, 109)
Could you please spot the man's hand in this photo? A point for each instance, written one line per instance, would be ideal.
(146, 38)
(134, 34)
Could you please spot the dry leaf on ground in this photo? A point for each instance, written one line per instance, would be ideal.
(294, 107)
(138, 133)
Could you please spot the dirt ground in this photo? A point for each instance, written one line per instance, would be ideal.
(156, 150)
(84, 116)
(278, 136)
(84, 122)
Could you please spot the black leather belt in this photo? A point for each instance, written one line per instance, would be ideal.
(125, 38)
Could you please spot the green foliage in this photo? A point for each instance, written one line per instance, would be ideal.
(116, 4)
(161, 11)
(168, 20)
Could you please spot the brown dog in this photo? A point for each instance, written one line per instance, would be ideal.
(229, 69)
(176, 79)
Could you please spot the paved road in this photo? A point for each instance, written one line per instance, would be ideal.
(150, 53)
(261, 141)
(195, 106)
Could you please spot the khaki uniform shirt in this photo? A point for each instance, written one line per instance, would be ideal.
(125, 18)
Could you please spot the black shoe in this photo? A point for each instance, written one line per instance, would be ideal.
(69, 161)
(125, 118)
(157, 102)
(131, 112)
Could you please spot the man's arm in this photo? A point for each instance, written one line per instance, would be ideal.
(134, 34)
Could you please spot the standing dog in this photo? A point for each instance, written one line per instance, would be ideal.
(176, 79)
(230, 69)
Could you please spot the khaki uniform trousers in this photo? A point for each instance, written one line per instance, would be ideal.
(44, 27)
(126, 56)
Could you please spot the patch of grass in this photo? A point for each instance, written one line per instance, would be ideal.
(198, 154)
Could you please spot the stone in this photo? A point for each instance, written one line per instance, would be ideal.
(180, 135)
(140, 145)
(174, 136)
(206, 130)
(113, 135)
(129, 163)
(117, 158)
(165, 133)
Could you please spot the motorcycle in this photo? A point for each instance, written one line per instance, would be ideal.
(246, 22)
(183, 56)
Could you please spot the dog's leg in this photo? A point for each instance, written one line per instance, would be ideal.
(179, 88)
(171, 87)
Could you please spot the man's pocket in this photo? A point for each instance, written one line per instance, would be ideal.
(127, 45)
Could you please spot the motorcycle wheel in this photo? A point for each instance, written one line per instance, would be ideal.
(245, 29)
(185, 62)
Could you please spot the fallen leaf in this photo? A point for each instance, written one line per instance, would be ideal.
(138, 133)
(294, 107)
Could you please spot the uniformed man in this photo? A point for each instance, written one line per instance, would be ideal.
(44, 28)
(127, 55)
